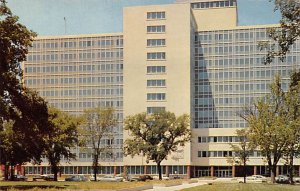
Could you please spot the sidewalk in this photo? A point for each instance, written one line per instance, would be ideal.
(173, 188)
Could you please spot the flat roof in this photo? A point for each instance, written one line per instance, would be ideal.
(77, 36)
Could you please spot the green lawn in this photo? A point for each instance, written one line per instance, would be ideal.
(81, 185)
(245, 187)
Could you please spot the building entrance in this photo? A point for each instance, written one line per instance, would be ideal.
(201, 173)
(223, 173)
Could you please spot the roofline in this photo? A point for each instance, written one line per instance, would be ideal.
(77, 36)
(243, 27)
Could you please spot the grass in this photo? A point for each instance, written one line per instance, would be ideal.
(79, 185)
(245, 187)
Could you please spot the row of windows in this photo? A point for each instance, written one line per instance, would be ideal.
(156, 96)
(72, 170)
(156, 83)
(50, 69)
(241, 87)
(82, 56)
(156, 42)
(202, 63)
(83, 105)
(156, 29)
(86, 80)
(227, 49)
(242, 74)
(216, 114)
(230, 124)
(89, 92)
(224, 154)
(73, 44)
(155, 109)
(103, 155)
(229, 100)
(239, 35)
(221, 101)
(153, 169)
(156, 55)
(214, 153)
(219, 139)
(206, 5)
(156, 15)
(156, 69)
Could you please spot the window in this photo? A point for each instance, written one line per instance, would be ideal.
(156, 29)
(86, 43)
(155, 109)
(156, 56)
(156, 42)
(156, 96)
(156, 69)
(156, 83)
(156, 15)
(205, 5)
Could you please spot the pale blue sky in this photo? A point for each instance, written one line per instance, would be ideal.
(46, 17)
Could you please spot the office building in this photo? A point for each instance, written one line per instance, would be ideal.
(187, 57)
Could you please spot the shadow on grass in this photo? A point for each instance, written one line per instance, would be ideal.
(29, 187)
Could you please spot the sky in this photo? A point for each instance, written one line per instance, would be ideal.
(46, 17)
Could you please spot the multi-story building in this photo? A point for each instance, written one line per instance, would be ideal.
(187, 57)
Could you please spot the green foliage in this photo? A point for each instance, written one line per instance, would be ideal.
(288, 32)
(156, 135)
(23, 109)
(275, 125)
(292, 116)
(98, 124)
(242, 150)
(62, 138)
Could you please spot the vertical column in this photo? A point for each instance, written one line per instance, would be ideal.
(1, 171)
(255, 170)
(41, 170)
(277, 170)
(125, 171)
(167, 170)
(188, 171)
(23, 170)
(145, 169)
(115, 170)
(233, 171)
(212, 171)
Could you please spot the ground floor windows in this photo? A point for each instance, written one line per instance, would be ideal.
(183, 171)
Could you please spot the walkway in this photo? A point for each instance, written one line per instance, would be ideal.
(174, 188)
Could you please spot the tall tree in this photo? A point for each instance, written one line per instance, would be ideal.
(288, 32)
(62, 138)
(283, 38)
(241, 151)
(99, 123)
(29, 125)
(24, 108)
(267, 126)
(292, 116)
(156, 135)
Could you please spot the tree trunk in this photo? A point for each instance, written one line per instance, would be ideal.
(273, 172)
(11, 172)
(95, 166)
(54, 171)
(159, 170)
(6, 171)
(291, 168)
(245, 171)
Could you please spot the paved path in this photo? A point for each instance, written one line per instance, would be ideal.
(179, 187)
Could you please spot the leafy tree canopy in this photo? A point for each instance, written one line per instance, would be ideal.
(156, 135)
